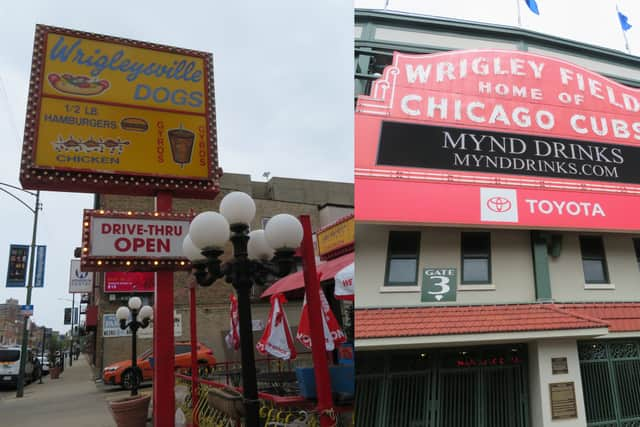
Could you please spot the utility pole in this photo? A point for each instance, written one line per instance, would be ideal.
(25, 332)
(73, 313)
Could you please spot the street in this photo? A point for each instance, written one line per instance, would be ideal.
(73, 400)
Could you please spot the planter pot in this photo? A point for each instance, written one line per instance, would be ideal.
(54, 372)
(131, 411)
(228, 401)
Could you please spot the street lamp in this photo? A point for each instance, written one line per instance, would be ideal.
(140, 318)
(73, 315)
(257, 255)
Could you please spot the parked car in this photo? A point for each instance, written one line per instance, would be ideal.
(44, 364)
(10, 366)
(121, 373)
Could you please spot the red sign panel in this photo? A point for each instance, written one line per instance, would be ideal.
(119, 281)
(440, 129)
(501, 206)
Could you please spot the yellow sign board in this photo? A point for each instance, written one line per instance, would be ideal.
(117, 107)
(85, 135)
(336, 236)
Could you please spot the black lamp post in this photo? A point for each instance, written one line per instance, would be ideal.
(140, 318)
(257, 256)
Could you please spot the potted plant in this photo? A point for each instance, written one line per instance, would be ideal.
(132, 411)
(54, 360)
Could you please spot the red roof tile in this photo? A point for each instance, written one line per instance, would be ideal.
(451, 320)
(619, 316)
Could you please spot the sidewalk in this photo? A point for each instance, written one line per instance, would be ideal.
(73, 400)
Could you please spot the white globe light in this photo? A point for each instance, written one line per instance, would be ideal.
(146, 312)
(258, 248)
(283, 231)
(238, 208)
(122, 313)
(209, 230)
(191, 252)
(135, 303)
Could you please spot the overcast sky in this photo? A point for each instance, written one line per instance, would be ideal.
(284, 100)
(589, 21)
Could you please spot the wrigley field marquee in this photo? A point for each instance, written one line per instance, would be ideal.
(483, 136)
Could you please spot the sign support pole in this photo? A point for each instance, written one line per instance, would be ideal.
(25, 332)
(163, 345)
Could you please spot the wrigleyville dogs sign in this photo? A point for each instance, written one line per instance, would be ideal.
(489, 133)
(113, 115)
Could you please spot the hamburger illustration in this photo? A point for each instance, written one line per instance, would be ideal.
(134, 124)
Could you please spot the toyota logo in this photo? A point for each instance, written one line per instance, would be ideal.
(499, 204)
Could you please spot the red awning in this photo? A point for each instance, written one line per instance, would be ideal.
(295, 280)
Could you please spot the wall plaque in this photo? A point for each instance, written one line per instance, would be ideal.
(559, 365)
(563, 401)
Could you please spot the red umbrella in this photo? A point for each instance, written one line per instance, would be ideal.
(332, 333)
(277, 339)
(344, 283)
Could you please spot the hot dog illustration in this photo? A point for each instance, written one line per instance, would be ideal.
(77, 85)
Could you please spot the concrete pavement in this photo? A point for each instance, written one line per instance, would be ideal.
(73, 400)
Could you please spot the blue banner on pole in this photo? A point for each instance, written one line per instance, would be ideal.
(41, 255)
(17, 270)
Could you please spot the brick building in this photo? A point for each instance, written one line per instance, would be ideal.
(324, 201)
(10, 327)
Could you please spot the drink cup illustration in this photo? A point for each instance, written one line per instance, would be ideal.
(181, 141)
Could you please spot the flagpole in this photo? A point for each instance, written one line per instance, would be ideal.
(318, 346)
(624, 33)
(519, 17)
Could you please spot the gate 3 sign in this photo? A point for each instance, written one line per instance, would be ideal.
(113, 115)
(439, 285)
(117, 241)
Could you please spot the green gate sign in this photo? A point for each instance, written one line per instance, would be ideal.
(439, 284)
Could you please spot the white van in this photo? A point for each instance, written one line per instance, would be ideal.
(10, 365)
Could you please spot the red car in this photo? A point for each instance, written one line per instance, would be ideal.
(120, 373)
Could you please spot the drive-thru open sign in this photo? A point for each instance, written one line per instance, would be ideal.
(117, 241)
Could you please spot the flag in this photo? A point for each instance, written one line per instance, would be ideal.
(233, 337)
(624, 21)
(277, 339)
(332, 333)
(533, 6)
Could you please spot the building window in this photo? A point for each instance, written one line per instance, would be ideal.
(402, 258)
(594, 263)
(476, 258)
(636, 246)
